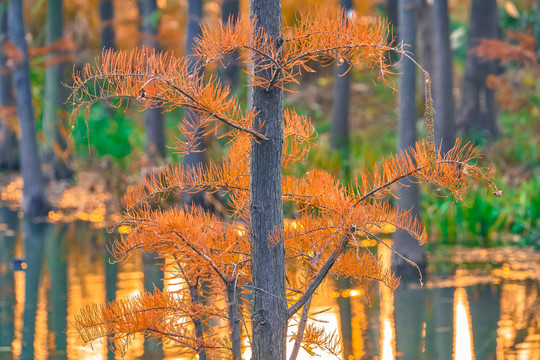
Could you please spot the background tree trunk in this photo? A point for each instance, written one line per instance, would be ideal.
(269, 318)
(424, 21)
(443, 77)
(340, 110)
(106, 15)
(408, 197)
(9, 156)
(194, 158)
(55, 96)
(34, 201)
(231, 9)
(478, 112)
(155, 134)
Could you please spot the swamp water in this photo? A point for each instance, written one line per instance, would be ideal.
(475, 304)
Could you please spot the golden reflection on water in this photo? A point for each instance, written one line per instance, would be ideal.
(387, 324)
(463, 348)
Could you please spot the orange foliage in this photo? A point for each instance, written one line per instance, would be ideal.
(331, 222)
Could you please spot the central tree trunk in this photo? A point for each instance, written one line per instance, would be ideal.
(269, 318)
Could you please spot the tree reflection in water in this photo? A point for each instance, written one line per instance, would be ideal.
(490, 302)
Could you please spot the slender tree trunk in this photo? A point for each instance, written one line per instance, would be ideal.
(408, 197)
(8, 140)
(106, 15)
(194, 158)
(478, 113)
(340, 110)
(34, 201)
(230, 9)
(443, 77)
(155, 134)
(53, 114)
(424, 20)
(269, 318)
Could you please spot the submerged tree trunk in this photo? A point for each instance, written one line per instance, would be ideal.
(34, 201)
(53, 114)
(442, 79)
(408, 197)
(106, 15)
(8, 140)
(155, 135)
(230, 9)
(269, 318)
(478, 113)
(340, 110)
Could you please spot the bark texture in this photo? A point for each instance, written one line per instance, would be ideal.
(55, 95)
(153, 118)
(9, 155)
(34, 200)
(269, 318)
(340, 109)
(443, 78)
(478, 113)
(408, 197)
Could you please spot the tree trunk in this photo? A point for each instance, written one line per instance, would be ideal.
(106, 15)
(443, 78)
(34, 201)
(269, 318)
(408, 197)
(8, 140)
(340, 110)
(155, 135)
(231, 9)
(194, 158)
(424, 20)
(478, 113)
(53, 114)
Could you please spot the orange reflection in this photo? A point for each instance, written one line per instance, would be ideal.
(86, 285)
(388, 328)
(41, 327)
(518, 335)
(20, 282)
(463, 348)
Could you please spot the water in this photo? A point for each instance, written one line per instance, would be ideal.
(476, 304)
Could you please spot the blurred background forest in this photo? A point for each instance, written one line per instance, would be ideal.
(483, 57)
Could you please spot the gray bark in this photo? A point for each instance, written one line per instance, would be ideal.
(230, 9)
(34, 201)
(340, 110)
(106, 16)
(478, 113)
(8, 140)
(269, 317)
(424, 21)
(55, 96)
(408, 197)
(194, 158)
(155, 134)
(443, 78)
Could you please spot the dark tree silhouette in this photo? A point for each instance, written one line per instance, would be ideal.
(55, 95)
(230, 9)
(8, 140)
(155, 134)
(478, 112)
(424, 21)
(106, 15)
(408, 197)
(34, 200)
(442, 80)
(340, 109)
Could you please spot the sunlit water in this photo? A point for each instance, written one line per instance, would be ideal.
(485, 306)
